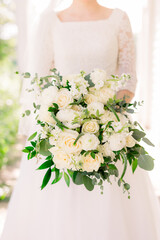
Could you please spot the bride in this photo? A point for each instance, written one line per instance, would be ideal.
(83, 37)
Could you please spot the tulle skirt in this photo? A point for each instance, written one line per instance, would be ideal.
(58, 212)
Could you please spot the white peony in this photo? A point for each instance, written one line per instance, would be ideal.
(89, 142)
(64, 98)
(117, 141)
(90, 164)
(96, 106)
(61, 159)
(104, 94)
(66, 142)
(49, 96)
(91, 126)
(46, 116)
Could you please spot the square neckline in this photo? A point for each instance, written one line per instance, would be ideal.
(87, 21)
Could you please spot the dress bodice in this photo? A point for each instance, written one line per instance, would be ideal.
(85, 45)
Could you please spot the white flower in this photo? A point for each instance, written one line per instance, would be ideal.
(107, 117)
(69, 117)
(89, 142)
(117, 141)
(107, 152)
(96, 106)
(46, 116)
(78, 85)
(90, 164)
(104, 94)
(91, 126)
(55, 135)
(90, 98)
(61, 159)
(64, 98)
(66, 142)
(98, 77)
(49, 95)
(130, 141)
(117, 126)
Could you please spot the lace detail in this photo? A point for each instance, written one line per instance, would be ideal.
(126, 57)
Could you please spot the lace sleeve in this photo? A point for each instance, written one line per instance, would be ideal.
(40, 59)
(126, 57)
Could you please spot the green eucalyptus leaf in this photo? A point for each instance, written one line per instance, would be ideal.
(147, 141)
(137, 134)
(146, 162)
(78, 178)
(88, 79)
(88, 183)
(27, 112)
(44, 148)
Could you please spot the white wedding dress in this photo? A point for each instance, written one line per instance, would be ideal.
(62, 213)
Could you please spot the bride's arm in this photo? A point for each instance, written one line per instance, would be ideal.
(126, 58)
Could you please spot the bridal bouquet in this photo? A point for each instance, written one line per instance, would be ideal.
(84, 131)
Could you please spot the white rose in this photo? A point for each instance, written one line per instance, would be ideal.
(117, 141)
(130, 141)
(67, 139)
(104, 94)
(64, 98)
(46, 116)
(89, 142)
(93, 107)
(90, 164)
(49, 95)
(91, 126)
(107, 152)
(90, 98)
(61, 159)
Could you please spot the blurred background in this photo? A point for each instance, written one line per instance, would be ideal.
(16, 18)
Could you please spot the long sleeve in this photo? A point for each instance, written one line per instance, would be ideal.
(126, 56)
(39, 60)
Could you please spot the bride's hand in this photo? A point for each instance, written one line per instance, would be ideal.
(125, 93)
